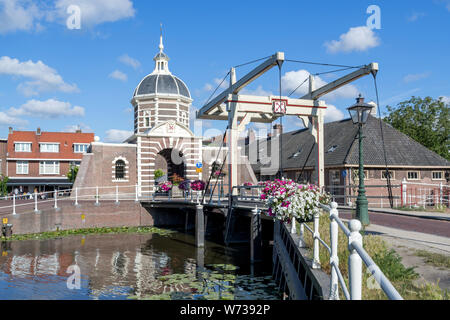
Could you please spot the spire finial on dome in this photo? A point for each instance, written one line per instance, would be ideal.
(161, 46)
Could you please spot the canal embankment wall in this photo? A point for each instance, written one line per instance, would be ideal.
(85, 215)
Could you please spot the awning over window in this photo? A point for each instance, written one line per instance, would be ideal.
(39, 182)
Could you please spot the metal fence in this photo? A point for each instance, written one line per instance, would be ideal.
(356, 257)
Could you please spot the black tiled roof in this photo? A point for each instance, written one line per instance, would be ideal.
(342, 135)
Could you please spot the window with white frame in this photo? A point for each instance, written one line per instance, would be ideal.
(437, 175)
(75, 163)
(413, 175)
(22, 167)
(49, 167)
(22, 146)
(49, 147)
(80, 147)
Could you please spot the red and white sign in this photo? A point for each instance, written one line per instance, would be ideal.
(279, 106)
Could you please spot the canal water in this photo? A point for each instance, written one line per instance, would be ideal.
(131, 266)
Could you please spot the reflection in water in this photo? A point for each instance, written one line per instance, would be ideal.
(112, 266)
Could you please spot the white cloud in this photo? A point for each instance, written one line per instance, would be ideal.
(416, 76)
(292, 79)
(46, 109)
(43, 78)
(259, 91)
(74, 127)
(220, 83)
(26, 15)
(129, 61)
(94, 12)
(415, 16)
(356, 39)
(7, 120)
(446, 99)
(118, 75)
(18, 15)
(117, 136)
(333, 114)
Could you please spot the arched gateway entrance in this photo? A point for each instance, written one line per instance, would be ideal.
(172, 162)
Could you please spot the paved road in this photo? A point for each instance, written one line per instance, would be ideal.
(408, 223)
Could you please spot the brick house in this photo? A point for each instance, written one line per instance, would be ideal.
(406, 159)
(41, 160)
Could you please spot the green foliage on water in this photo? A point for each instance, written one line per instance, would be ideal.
(215, 282)
(87, 231)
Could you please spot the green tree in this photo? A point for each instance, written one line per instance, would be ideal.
(3, 187)
(72, 174)
(425, 120)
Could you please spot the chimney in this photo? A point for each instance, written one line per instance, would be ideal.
(10, 130)
(250, 137)
(38, 131)
(277, 130)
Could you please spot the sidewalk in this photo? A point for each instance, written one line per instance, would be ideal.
(420, 214)
(406, 244)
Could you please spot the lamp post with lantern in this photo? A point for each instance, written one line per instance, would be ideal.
(359, 112)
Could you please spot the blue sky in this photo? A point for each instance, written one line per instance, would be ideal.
(57, 78)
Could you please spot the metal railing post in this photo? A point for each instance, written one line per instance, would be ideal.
(316, 260)
(96, 195)
(56, 199)
(355, 261)
(35, 202)
(301, 241)
(14, 203)
(293, 226)
(404, 193)
(117, 194)
(334, 259)
(76, 196)
(136, 191)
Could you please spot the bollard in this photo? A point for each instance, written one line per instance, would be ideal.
(199, 226)
(255, 236)
(96, 195)
(136, 192)
(334, 259)
(35, 202)
(354, 260)
(117, 194)
(76, 196)
(316, 259)
(14, 203)
(56, 199)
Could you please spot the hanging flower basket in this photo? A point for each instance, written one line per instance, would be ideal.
(165, 186)
(185, 185)
(198, 185)
(287, 199)
(248, 184)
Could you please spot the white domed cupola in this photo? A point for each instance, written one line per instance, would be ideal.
(160, 96)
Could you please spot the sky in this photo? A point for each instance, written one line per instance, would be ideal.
(58, 75)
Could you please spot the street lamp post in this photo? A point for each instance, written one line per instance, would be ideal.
(359, 113)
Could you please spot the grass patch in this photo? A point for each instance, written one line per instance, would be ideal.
(388, 260)
(437, 208)
(86, 231)
(435, 259)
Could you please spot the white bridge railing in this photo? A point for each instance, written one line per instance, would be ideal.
(356, 257)
(33, 202)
